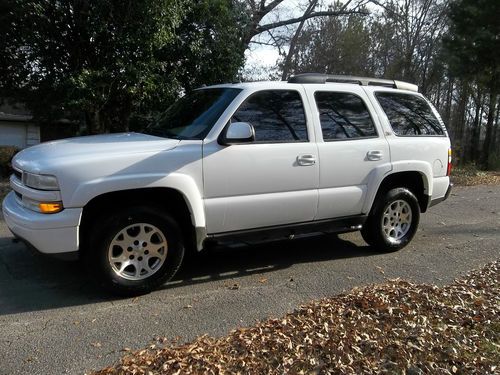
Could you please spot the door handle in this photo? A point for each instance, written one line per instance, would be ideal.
(306, 160)
(374, 155)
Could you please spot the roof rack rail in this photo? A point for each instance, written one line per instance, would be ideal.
(363, 81)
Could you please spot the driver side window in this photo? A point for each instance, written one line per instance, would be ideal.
(276, 115)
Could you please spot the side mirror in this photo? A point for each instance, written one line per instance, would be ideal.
(237, 132)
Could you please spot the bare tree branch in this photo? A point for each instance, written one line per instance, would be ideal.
(277, 43)
(291, 21)
(293, 41)
(260, 43)
(259, 10)
(269, 7)
(291, 50)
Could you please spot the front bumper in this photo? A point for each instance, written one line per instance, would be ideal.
(49, 234)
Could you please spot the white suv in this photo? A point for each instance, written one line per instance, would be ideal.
(318, 153)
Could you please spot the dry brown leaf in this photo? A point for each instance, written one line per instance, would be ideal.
(395, 327)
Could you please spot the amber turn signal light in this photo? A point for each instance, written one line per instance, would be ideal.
(50, 208)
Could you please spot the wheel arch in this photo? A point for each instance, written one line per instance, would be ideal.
(166, 199)
(415, 181)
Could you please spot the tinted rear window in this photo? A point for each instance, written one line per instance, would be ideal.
(343, 116)
(409, 115)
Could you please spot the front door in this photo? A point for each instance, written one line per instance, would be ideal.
(271, 181)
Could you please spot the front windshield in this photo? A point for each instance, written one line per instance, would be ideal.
(192, 116)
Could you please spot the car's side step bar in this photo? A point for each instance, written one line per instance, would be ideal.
(339, 225)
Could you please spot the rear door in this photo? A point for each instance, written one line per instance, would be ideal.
(352, 149)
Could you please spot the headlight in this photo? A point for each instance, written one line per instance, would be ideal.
(40, 181)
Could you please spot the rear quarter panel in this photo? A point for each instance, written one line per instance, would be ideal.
(426, 154)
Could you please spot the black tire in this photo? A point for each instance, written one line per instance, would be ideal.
(386, 238)
(107, 230)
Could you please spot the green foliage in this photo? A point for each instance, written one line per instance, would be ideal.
(110, 59)
(208, 44)
(473, 42)
(6, 155)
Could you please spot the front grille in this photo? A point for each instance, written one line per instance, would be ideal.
(18, 174)
(19, 198)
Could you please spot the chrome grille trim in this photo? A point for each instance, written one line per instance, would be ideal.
(18, 174)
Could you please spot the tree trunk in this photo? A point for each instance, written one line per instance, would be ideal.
(288, 59)
(496, 137)
(438, 96)
(125, 116)
(447, 109)
(487, 145)
(459, 123)
(476, 129)
(95, 122)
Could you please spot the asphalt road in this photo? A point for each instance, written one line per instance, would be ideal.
(53, 321)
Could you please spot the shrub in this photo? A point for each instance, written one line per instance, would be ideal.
(6, 155)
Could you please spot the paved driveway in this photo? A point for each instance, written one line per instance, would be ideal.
(53, 321)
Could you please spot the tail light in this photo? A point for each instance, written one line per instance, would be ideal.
(448, 169)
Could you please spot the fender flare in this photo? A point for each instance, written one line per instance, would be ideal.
(379, 175)
(182, 183)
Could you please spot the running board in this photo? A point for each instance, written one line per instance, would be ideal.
(339, 225)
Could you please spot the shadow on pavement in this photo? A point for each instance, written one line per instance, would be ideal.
(247, 259)
(32, 282)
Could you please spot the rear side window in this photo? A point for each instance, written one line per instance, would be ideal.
(409, 115)
(276, 115)
(343, 116)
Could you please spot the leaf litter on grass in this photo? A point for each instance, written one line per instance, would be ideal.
(471, 176)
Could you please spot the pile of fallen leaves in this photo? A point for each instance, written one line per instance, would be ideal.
(471, 176)
(397, 327)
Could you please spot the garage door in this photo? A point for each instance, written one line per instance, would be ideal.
(13, 135)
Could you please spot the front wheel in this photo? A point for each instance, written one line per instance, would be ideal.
(134, 251)
(393, 221)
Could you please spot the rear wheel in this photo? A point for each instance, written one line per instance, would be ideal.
(134, 251)
(393, 221)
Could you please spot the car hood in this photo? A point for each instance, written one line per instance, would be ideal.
(39, 159)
